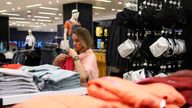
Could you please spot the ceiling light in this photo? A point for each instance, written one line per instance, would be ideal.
(16, 18)
(96, 7)
(50, 2)
(18, 25)
(96, 13)
(108, 1)
(44, 25)
(23, 25)
(18, 8)
(46, 13)
(33, 19)
(56, 18)
(51, 30)
(41, 23)
(28, 11)
(120, 3)
(35, 5)
(25, 22)
(36, 23)
(49, 8)
(10, 24)
(60, 14)
(57, 1)
(29, 15)
(113, 9)
(13, 9)
(34, 26)
(10, 14)
(8, 3)
(119, 10)
(13, 23)
(44, 20)
(45, 17)
(3, 11)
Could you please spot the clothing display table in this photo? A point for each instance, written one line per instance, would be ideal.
(14, 99)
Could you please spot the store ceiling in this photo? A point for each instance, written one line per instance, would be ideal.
(45, 15)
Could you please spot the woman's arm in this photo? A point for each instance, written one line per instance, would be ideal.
(78, 66)
(59, 59)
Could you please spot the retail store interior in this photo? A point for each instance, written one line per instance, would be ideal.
(101, 53)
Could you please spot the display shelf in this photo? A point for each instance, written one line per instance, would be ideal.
(14, 99)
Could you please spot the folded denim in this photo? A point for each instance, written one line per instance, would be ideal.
(13, 72)
(16, 92)
(13, 78)
(45, 67)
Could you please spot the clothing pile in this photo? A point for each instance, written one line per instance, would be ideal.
(52, 78)
(116, 90)
(181, 81)
(113, 92)
(14, 82)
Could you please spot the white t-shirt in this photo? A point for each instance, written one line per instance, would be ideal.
(30, 40)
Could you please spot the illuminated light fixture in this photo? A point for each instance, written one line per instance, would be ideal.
(113, 9)
(13, 9)
(18, 25)
(42, 17)
(44, 25)
(3, 11)
(57, 1)
(23, 25)
(107, 1)
(28, 11)
(41, 23)
(51, 30)
(35, 5)
(49, 8)
(10, 14)
(120, 3)
(13, 23)
(119, 10)
(16, 18)
(34, 26)
(60, 14)
(10, 24)
(18, 8)
(50, 2)
(56, 18)
(29, 15)
(24, 22)
(96, 13)
(46, 13)
(36, 23)
(9, 3)
(33, 19)
(97, 7)
(44, 20)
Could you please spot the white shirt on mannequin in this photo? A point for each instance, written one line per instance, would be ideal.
(30, 40)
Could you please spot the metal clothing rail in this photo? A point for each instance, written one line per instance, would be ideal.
(14, 99)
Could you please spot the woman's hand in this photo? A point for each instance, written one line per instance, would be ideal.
(59, 59)
(72, 53)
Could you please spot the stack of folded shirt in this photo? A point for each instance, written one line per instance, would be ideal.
(52, 78)
(14, 82)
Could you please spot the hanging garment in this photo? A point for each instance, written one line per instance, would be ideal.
(68, 64)
(134, 95)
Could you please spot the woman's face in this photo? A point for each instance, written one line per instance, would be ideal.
(77, 44)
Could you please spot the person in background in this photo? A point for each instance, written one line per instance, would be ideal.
(82, 54)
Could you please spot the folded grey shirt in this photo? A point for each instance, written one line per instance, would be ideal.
(45, 67)
(14, 72)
